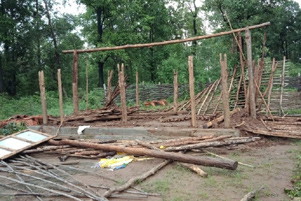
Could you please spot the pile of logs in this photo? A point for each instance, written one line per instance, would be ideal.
(172, 149)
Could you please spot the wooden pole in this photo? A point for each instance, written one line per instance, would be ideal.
(186, 158)
(43, 97)
(87, 83)
(137, 88)
(109, 93)
(122, 93)
(281, 88)
(225, 93)
(74, 82)
(175, 92)
(191, 90)
(169, 42)
(251, 75)
(59, 78)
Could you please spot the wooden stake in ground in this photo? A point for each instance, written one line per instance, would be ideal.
(175, 91)
(109, 93)
(43, 97)
(225, 93)
(87, 83)
(122, 93)
(137, 88)
(251, 75)
(74, 82)
(59, 79)
(191, 90)
(281, 88)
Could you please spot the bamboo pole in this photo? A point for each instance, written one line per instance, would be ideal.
(281, 88)
(225, 93)
(168, 42)
(176, 89)
(122, 93)
(251, 75)
(137, 88)
(191, 90)
(59, 78)
(43, 97)
(74, 82)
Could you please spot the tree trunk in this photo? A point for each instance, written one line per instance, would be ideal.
(57, 56)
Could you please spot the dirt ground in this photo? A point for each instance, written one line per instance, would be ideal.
(273, 162)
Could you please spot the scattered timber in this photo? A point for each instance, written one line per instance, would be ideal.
(211, 144)
(219, 119)
(205, 161)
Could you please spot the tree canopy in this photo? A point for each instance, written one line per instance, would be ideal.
(33, 35)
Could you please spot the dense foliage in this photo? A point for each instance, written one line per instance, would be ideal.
(33, 34)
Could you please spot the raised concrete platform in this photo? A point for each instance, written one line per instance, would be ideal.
(141, 133)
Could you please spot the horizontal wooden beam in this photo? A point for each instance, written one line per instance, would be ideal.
(167, 42)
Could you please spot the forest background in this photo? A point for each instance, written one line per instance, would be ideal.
(33, 34)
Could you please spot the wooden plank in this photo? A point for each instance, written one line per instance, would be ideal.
(225, 93)
(43, 97)
(176, 91)
(168, 42)
(251, 75)
(74, 83)
(191, 90)
(59, 78)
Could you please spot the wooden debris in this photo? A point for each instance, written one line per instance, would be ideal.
(251, 194)
(132, 181)
(274, 133)
(227, 164)
(195, 169)
(219, 119)
(211, 144)
(240, 163)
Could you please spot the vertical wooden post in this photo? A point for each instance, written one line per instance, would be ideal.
(87, 83)
(242, 64)
(59, 78)
(225, 93)
(137, 88)
(175, 91)
(191, 90)
(122, 94)
(43, 97)
(109, 93)
(281, 88)
(251, 75)
(74, 82)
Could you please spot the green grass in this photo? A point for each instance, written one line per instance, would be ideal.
(296, 191)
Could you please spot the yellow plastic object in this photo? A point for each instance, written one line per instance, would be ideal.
(115, 162)
(162, 147)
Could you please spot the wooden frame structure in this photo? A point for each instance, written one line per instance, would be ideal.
(249, 49)
(18, 142)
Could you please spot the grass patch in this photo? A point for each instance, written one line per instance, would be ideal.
(296, 191)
